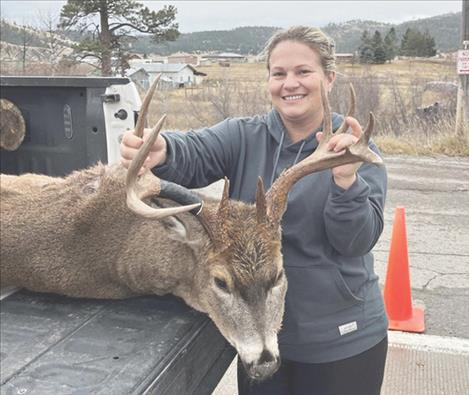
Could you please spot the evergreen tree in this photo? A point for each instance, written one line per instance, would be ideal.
(390, 44)
(365, 50)
(108, 23)
(429, 45)
(406, 43)
(377, 45)
(415, 43)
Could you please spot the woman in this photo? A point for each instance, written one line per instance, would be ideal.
(333, 339)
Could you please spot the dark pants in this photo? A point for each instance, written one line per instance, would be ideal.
(361, 374)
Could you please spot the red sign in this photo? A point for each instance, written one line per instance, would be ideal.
(463, 61)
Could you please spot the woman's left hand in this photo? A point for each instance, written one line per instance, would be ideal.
(344, 175)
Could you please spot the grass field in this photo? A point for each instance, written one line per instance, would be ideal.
(393, 92)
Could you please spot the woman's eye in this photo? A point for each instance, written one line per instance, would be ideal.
(221, 284)
(277, 74)
(304, 72)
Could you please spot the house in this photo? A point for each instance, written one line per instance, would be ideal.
(225, 57)
(183, 57)
(139, 77)
(177, 75)
(345, 57)
(136, 63)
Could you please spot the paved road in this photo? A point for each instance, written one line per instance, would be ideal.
(435, 195)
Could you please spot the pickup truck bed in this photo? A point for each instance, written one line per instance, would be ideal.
(147, 345)
(55, 345)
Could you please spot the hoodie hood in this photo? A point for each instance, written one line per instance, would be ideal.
(277, 129)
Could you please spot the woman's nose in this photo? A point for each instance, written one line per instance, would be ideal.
(291, 82)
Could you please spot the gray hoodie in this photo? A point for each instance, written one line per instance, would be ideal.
(333, 308)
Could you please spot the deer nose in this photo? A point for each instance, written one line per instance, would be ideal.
(264, 367)
(266, 357)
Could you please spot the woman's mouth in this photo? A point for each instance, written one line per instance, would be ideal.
(293, 97)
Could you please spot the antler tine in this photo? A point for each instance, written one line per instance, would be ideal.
(134, 201)
(369, 127)
(327, 118)
(320, 159)
(360, 149)
(351, 110)
(144, 109)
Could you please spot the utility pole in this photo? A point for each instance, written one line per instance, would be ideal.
(462, 105)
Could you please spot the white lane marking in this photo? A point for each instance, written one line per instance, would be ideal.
(430, 343)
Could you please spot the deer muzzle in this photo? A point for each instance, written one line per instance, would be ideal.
(264, 367)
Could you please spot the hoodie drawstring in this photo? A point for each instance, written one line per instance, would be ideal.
(299, 152)
(277, 156)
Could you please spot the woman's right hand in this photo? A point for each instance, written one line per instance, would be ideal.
(130, 145)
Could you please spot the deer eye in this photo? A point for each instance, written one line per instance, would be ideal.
(221, 284)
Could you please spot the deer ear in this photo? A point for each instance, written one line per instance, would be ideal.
(215, 220)
(261, 205)
(224, 202)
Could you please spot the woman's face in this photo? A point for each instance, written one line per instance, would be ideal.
(294, 82)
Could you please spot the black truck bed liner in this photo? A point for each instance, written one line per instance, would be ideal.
(147, 345)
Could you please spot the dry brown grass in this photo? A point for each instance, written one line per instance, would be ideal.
(442, 144)
(391, 91)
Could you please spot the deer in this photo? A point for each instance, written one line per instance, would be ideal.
(112, 233)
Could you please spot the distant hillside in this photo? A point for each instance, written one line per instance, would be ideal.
(445, 29)
(244, 40)
(250, 40)
(12, 33)
(347, 34)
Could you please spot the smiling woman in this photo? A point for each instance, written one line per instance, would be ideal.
(295, 77)
(334, 323)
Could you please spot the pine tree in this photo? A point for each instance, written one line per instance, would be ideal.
(405, 49)
(108, 23)
(365, 50)
(390, 44)
(415, 43)
(377, 45)
(429, 44)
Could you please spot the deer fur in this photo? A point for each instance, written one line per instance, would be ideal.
(75, 236)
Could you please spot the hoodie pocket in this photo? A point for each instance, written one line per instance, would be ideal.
(318, 301)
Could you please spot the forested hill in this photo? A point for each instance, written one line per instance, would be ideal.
(445, 29)
(243, 40)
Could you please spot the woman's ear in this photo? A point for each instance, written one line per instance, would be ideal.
(330, 79)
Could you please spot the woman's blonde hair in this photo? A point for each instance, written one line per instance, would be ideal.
(310, 36)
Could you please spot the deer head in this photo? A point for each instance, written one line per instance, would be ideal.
(241, 283)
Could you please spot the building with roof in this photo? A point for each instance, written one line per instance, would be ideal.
(175, 75)
(184, 57)
(139, 77)
(345, 57)
(225, 57)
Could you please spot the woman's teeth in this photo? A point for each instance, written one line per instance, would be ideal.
(296, 97)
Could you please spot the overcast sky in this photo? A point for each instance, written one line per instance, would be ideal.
(195, 16)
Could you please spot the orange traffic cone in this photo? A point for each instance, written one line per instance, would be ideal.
(397, 292)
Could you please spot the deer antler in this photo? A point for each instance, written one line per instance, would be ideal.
(211, 219)
(155, 185)
(320, 159)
